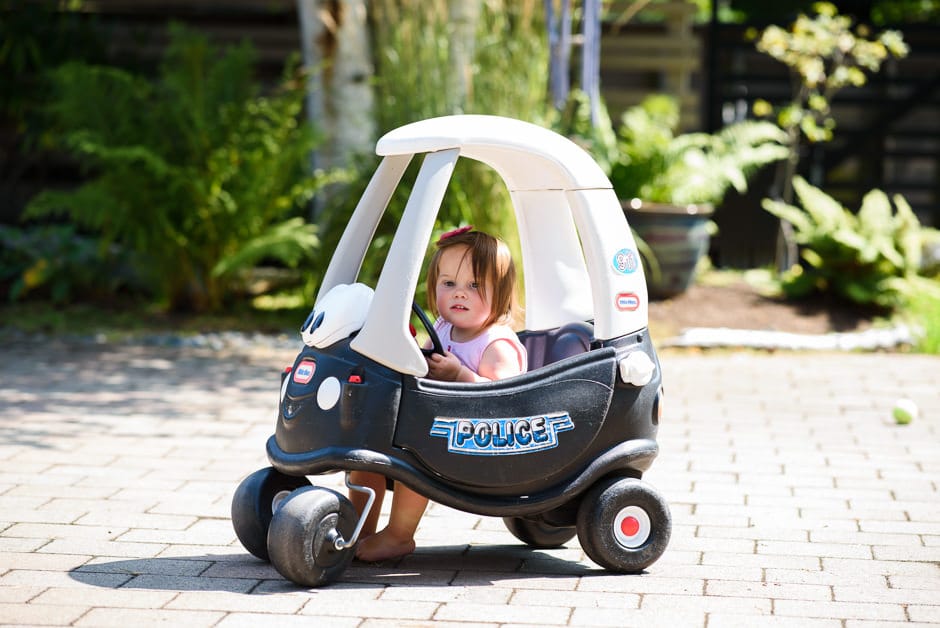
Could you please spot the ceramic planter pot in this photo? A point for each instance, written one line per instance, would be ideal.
(678, 236)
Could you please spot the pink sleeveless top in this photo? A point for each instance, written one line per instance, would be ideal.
(470, 353)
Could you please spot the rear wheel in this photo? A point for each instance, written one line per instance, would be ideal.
(254, 503)
(624, 525)
(302, 537)
(538, 533)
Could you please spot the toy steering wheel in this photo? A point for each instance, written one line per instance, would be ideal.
(436, 347)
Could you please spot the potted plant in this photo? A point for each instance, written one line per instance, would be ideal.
(669, 183)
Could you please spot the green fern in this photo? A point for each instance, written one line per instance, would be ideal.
(656, 164)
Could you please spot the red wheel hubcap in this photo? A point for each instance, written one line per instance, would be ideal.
(630, 526)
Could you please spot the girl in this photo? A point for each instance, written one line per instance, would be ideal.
(471, 288)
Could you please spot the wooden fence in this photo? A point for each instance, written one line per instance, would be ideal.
(641, 58)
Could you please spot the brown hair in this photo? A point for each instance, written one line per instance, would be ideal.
(493, 268)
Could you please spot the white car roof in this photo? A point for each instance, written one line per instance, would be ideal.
(579, 257)
(527, 156)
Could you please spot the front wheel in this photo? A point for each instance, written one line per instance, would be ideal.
(254, 503)
(624, 525)
(539, 534)
(303, 533)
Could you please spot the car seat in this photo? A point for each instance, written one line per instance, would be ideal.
(551, 345)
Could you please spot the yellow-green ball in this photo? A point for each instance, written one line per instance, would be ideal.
(905, 411)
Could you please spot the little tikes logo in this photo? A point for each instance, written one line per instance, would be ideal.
(501, 437)
(627, 302)
(304, 371)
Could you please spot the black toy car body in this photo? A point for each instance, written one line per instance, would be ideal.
(557, 451)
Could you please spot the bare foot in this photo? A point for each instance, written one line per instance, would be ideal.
(383, 546)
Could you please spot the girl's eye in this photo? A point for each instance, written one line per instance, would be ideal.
(447, 283)
(475, 285)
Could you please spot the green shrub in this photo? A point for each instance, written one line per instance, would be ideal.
(655, 163)
(56, 263)
(871, 258)
(923, 314)
(194, 171)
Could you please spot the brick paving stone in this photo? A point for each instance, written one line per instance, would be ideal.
(121, 618)
(865, 538)
(41, 614)
(237, 602)
(722, 620)
(929, 614)
(754, 532)
(761, 560)
(74, 580)
(881, 567)
(705, 544)
(58, 531)
(517, 581)
(471, 594)
(396, 623)
(190, 583)
(393, 576)
(639, 618)
(706, 603)
(504, 613)
(865, 623)
(104, 598)
(643, 584)
(41, 562)
(734, 572)
(902, 527)
(575, 599)
(21, 545)
(390, 609)
(845, 610)
(256, 620)
(897, 596)
(826, 578)
(163, 567)
(233, 551)
(825, 550)
(773, 590)
(102, 548)
(12, 594)
(907, 553)
(915, 582)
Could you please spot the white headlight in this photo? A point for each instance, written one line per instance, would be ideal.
(637, 368)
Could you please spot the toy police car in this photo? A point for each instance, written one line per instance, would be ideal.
(557, 451)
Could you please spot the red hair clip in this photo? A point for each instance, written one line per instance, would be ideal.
(455, 232)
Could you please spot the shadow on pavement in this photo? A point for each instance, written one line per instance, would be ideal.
(457, 565)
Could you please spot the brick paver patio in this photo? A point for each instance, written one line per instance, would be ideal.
(796, 501)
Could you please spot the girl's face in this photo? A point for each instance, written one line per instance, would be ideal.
(459, 297)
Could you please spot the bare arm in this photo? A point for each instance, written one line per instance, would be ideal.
(500, 360)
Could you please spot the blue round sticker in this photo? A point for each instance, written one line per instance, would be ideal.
(626, 261)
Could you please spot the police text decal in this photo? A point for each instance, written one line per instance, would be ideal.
(498, 437)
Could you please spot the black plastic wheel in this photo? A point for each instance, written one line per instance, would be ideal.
(301, 539)
(253, 506)
(624, 524)
(538, 533)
